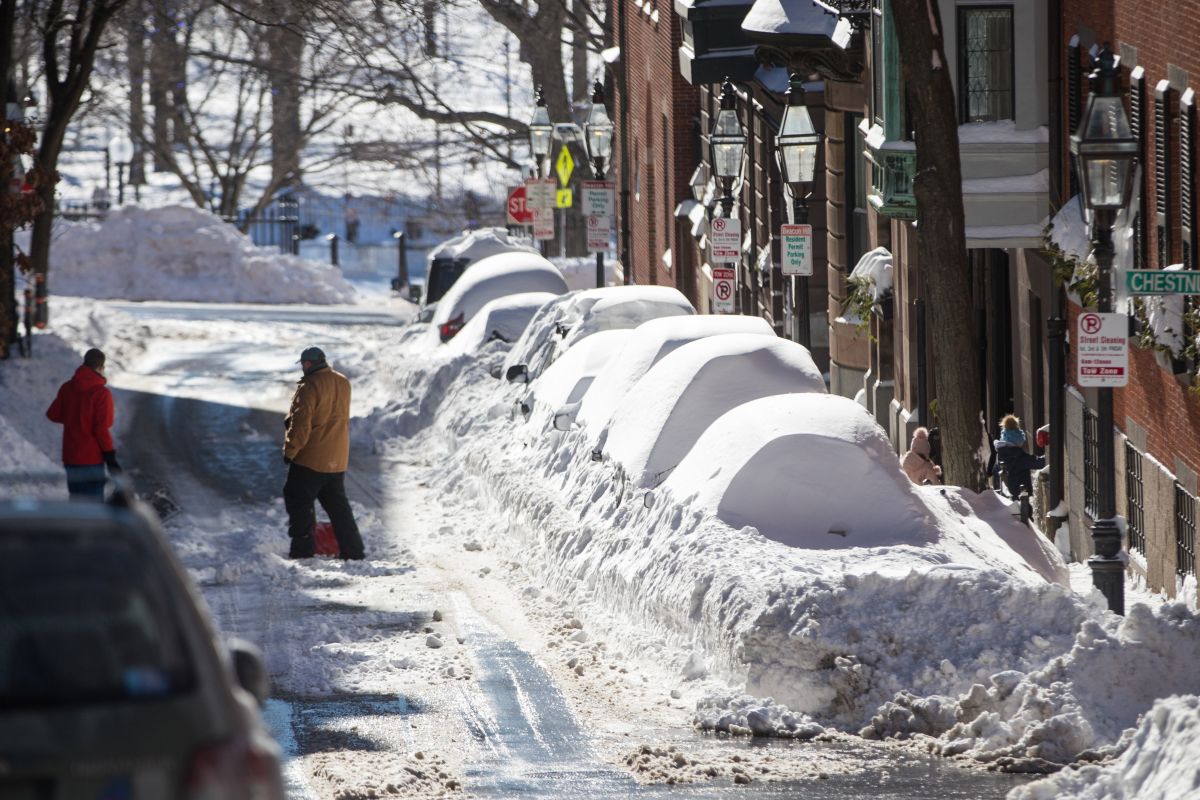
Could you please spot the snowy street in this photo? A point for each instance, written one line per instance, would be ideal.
(421, 669)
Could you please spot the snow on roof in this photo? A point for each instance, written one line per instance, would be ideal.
(497, 276)
(504, 318)
(656, 339)
(664, 413)
(877, 266)
(797, 467)
(566, 381)
(788, 17)
(183, 253)
(476, 244)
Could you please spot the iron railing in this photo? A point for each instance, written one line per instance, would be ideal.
(1135, 504)
(1091, 463)
(1185, 531)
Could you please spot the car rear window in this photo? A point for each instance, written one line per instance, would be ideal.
(85, 619)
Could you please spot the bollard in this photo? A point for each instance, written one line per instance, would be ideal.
(333, 248)
(401, 279)
(1026, 508)
(295, 244)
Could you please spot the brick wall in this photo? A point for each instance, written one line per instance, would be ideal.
(662, 109)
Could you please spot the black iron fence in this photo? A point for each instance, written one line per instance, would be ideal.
(1091, 462)
(1135, 504)
(1185, 531)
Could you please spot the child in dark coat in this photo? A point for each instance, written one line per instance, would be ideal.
(1012, 458)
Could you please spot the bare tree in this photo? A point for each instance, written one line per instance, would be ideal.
(941, 239)
(70, 38)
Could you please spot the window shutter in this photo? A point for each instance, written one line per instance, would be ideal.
(1074, 68)
(1162, 170)
(1187, 174)
(1137, 125)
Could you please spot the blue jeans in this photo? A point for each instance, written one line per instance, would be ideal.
(86, 482)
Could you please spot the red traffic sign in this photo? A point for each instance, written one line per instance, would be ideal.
(519, 212)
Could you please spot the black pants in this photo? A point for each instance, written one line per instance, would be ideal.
(305, 485)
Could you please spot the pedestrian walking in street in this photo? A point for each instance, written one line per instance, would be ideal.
(84, 407)
(1012, 459)
(316, 448)
(917, 462)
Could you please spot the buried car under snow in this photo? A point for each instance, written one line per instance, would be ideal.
(559, 390)
(664, 413)
(573, 317)
(490, 278)
(448, 261)
(503, 319)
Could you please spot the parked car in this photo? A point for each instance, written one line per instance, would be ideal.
(655, 340)
(558, 391)
(664, 413)
(113, 682)
(559, 325)
(490, 278)
(503, 319)
(449, 260)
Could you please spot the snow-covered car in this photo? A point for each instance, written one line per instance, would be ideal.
(112, 680)
(656, 339)
(503, 319)
(797, 467)
(564, 384)
(558, 326)
(446, 263)
(491, 278)
(664, 413)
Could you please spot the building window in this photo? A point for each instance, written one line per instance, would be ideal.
(1091, 462)
(856, 191)
(1185, 531)
(985, 47)
(1135, 504)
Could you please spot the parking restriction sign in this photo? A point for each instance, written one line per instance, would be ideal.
(724, 284)
(725, 240)
(1102, 349)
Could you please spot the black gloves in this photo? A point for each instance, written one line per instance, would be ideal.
(110, 458)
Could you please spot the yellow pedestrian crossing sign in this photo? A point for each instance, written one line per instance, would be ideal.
(564, 165)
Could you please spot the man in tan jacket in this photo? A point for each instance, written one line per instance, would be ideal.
(316, 447)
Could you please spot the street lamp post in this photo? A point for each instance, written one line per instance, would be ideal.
(796, 148)
(598, 135)
(122, 153)
(540, 131)
(1105, 151)
(728, 144)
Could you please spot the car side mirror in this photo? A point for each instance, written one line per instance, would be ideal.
(517, 373)
(562, 421)
(249, 668)
(414, 292)
(495, 371)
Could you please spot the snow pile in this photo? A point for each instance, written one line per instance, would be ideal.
(568, 379)
(656, 339)
(663, 414)
(875, 269)
(1079, 702)
(1159, 762)
(183, 253)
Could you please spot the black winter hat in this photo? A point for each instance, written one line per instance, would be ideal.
(313, 354)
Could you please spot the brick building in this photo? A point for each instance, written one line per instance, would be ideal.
(1158, 414)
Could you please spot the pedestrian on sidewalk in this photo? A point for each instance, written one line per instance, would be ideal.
(1012, 458)
(84, 407)
(917, 463)
(316, 448)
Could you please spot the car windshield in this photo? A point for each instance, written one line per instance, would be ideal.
(85, 620)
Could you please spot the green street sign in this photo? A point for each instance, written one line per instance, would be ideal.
(1157, 281)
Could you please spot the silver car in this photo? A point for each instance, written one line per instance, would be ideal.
(113, 682)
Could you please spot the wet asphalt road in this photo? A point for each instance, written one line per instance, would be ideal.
(189, 451)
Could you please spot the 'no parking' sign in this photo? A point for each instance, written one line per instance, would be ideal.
(724, 284)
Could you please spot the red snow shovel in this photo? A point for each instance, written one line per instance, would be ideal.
(326, 543)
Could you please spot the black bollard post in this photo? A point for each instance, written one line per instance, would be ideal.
(333, 248)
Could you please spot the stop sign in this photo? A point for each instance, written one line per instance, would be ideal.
(519, 213)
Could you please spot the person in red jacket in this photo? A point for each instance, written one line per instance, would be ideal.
(84, 407)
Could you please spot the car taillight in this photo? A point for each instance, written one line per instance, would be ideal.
(240, 769)
(449, 328)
